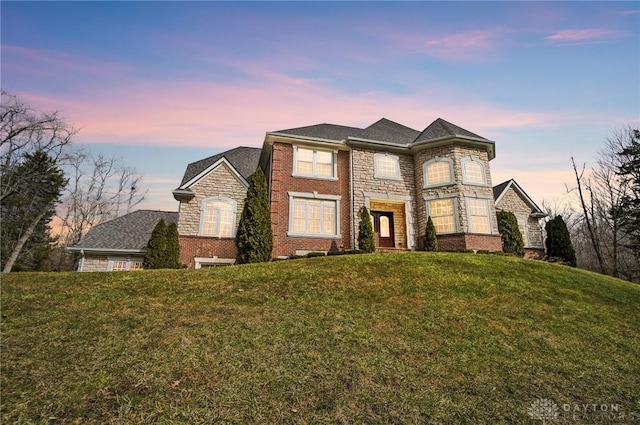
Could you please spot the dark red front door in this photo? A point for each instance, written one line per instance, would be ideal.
(383, 228)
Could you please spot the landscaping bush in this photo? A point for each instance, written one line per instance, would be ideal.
(510, 234)
(254, 240)
(559, 242)
(366, 240)
(430, 239)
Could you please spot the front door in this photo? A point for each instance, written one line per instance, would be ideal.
(383, 228)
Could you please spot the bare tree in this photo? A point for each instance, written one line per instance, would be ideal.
(601, 239)
(588, 212)
(23, 130)
(100, 188)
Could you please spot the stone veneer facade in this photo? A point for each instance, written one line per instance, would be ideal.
(511, 201)
(460, 191)
(220, 182)
(406, 197)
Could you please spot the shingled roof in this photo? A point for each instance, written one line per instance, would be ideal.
(440, 129)
(386, 130)
(383, 130)
(243, 159)
(334, 132)
(129, 232)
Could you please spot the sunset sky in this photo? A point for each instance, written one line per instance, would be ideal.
(167, 83)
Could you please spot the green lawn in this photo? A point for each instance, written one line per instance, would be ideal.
(409, 338)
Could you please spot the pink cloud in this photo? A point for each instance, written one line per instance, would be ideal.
(631, 12)
(468, 46)
(207, 114)
(53, 63)
(580, 35)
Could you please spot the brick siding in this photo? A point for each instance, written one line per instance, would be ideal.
(282, 182)
(207, 247)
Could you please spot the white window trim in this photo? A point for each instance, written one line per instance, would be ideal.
(488, 216)
(234, 210)
(525, 220)
(334, 158)
(478, 161)
(456, 221)
(111, 260)
(318, 197)
(426, 175)
(377, 175)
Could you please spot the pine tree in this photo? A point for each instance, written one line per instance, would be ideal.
(510, 234)
(155, 257)
(26, 211)
(254, 239)
(366, 241)
(172, 256)
(430, 239)
(559, 242)
(629, 170)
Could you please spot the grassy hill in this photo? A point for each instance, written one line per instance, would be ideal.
(384, 338)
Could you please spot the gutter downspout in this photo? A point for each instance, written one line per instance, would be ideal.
(352, 200)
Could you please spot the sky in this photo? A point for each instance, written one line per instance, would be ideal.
(163, 84)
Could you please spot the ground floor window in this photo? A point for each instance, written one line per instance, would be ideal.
(522, 225)
(479, 220)
(124, 265)
(442, 212)
(314, 217)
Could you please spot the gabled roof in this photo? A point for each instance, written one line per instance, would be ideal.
(440, 129)
(500, 190)
(243, 159)
(388, 131)
(333, 132)
(127, 233)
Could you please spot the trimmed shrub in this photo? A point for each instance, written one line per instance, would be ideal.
(559, 242)
(430, 239)
(510, 234)
(254, 239)
(156, 247)
(172, 252)
(366, 241)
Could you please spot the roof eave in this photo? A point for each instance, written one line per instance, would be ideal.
(183, 195)
(105, 250)
(294, 137)
(490, 145)
(357, 141)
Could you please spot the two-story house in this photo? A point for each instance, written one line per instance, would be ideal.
(320, 176)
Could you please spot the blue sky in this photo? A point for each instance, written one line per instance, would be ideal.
(167, 83)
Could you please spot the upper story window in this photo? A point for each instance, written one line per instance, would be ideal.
(438, 171)
(473, 171)
(443, 214)
(386, 166)
(314, 163)
(478, 211)
(218, 217)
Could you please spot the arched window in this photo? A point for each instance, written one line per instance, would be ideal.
(473, 171)
(437, 172)
(218, 217)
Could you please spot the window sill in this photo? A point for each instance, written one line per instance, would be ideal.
(312, 236)
(436, 185)
(475, 184)
(397, 179)
(302, 176)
